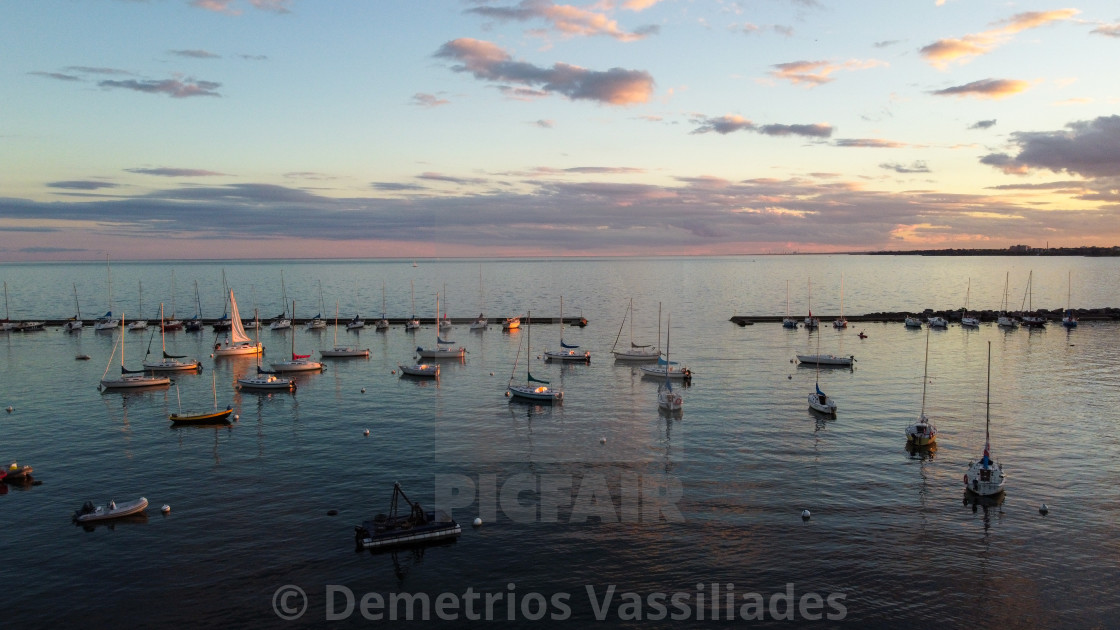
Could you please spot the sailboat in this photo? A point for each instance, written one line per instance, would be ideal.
(139, 324)
(238, 341)
(383, 323)
(170, 362)
(444, 323)
(1069, 320)
(511, 323)
(480, 322)
(818, 401)
(265, 379)
(841, 323)
(810, 321)
(130, 379)
(413, 323)
(106, 321)
(534, 389)
(217, 416)
(566, 352)
(442, 349)
(224, 322)
(7, 324)
(341, 351)
(967, 320)
(636, 352)
(74, 324)
(317, 322)
(1005, 320)
(173, 323)
(194, 324)
(985, 476)
(298, 362)
(787, 321)
(1031, 318)
(922, 434)
(668, 399)
(355, 324)
(282, 321)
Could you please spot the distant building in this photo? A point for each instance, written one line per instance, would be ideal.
(1020, 249)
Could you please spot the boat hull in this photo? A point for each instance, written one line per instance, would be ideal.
(203, 418)
(825, 360)
(104, 513)
(344, 352)
(297, 366)
(827, 406)
(567, 355)
(381, 535)
(235, 350)
(270, 383)
(136, 382)
(983, 481)
(427, 370)
(174, 366)
(536, 394)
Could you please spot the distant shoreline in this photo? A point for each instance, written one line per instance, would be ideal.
(1017, 250)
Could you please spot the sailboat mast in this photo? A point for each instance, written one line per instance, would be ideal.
(925, 375)
(76, 305)
(668, 363)
(293, 330)
(988, 402)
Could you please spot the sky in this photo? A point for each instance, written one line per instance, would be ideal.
(217, 129)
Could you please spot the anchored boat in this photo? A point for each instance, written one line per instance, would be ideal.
(394, 529)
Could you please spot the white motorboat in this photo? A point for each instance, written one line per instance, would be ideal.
(89, 512)
(238, 342)
(922, 434)
(635, 351)
(985, 476)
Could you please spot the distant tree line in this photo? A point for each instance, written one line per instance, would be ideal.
(1014, 250)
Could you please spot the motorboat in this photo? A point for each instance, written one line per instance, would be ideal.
(397, 528)
(89, 512)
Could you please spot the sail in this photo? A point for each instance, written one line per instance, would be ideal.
(173, 356)
(564, 345)
(819, 392)
(537, 380)
(661, 361)
(444, 341)
(237, 331)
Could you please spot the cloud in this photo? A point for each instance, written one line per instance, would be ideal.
(962, 49)
(461, 181)
(195, 54)
(810, 131)
(985, 88)
(81, 185)
(172, 87)
(983, 124)
(173, 172)
(917, 167)
(1090, 149)
(566, 19)
(96, 70)
(487, 61)
(275, 6)
(56, 75)
(724, 125)
(226, 6)
(1109, 30)
(814, 73)
(544, 124)
(428, 100)
(869, 143)
(396, 186)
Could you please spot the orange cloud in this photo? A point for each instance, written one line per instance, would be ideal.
(814, 73)
(945, 51)
(987, 88)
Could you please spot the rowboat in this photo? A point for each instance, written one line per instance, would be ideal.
(89, 512)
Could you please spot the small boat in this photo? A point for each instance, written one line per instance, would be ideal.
(818, 401)
(669, 399)
(17, 474)
(298, 362)
(106, 321)
(922, 434)
(636, 352)
(317, 322)
(667, 369)
(382, 324)
(394, 529)
(1030, 317)
(224, 322)
(174, 323)
(969, 321)
(913, 322)
(534, 389)
(282, 321)
(445, 322)
(139, 324)
(841, 322)
(511, 323)
(342, 351)
(74, 324)
(130, 379)
(217, 416)
(265, 380)
(414, 322)
(937, 322)
(826, 359)
(238, 342)
(170, 362)
(354, 324)
(566, 352)
(985, 476)
(443, 348)
(1005, 320)
(6, 324)
(480, 322)
(1069, 320)
(810, 321)
(194, 324)
(89, 512)
(430, 370)
(862, 335)
(787, 321)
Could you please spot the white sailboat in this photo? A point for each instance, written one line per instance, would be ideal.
(985, 476)
(238, 342)
(282, 321)
(74, 324)
(787, 321)
(414, 322)
(224, 322)
(810, 321)
(173, 323)
(841, 323)
(341, 351)
(139, 324)
(818, 401)
(7, 325)
(480, 322)
(922, 434)
(443, 348)
(317, 322)
(1032, 318)
(444, 322)
(382, 324)
(298, 362)
(427, 370)
(967, 320)
(566, 352)
(936, 321)
(194, 324)
(669, 399)
(1005, 320)
(636, 352)
(534, 389)
(129, 379)
(170, 362)
(106, 321)
(264, 379)
(1069, 320)
(913, 322)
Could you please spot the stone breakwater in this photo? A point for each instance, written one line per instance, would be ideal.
(953, 316)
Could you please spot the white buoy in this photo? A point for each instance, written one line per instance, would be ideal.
(1042, 509)
(491, 374)
(363, 390)
(165, 509)
(236, 417)
(805, 515)
(366, 433)
(477, 522)
(9, 409)
(602, 440)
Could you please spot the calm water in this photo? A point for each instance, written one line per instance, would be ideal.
(891, 538)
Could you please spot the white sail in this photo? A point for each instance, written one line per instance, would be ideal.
(237, 331)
